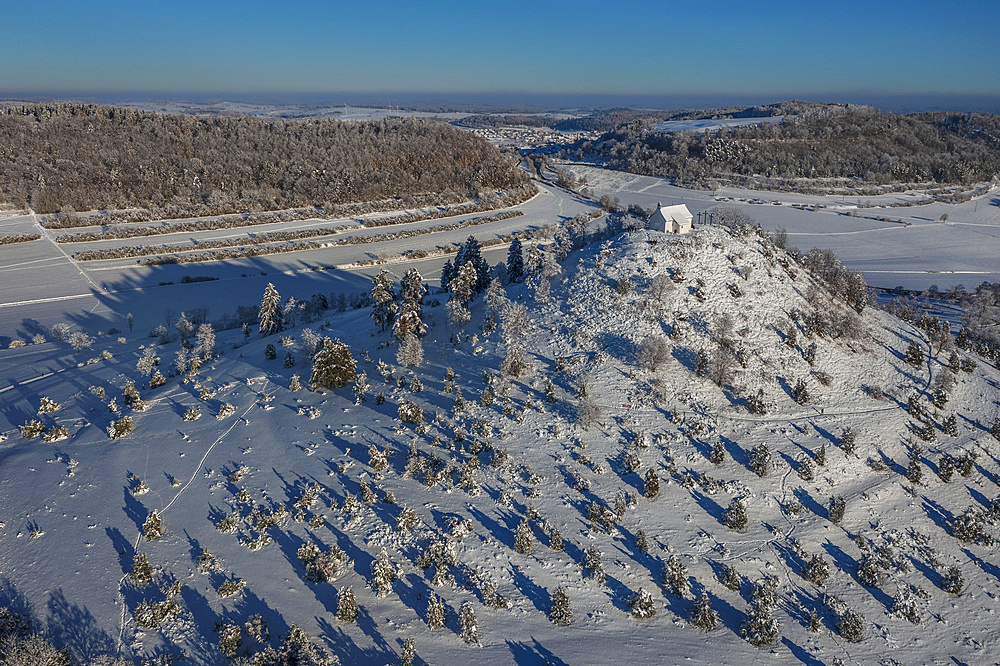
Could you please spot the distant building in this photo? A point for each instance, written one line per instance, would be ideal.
(671, 219)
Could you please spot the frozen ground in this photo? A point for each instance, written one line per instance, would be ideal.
(916, 253)
(73, 510)
(43, 285)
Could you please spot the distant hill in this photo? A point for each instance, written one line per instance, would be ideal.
(82, 157)
(820, 147)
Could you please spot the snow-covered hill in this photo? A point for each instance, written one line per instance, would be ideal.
(629, 435)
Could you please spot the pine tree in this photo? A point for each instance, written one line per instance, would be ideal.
(816, 570)
(848, 441)
(515, 262)
(409, 322)
(522, 538)
(791, 339)
(411, 351)
(703, 615)
(270, 353)
(675, 576)
(760, 628)
(436, 612)
(642, 605)
(560, 613)
(469, 624)
(592, 565)
(347, 605)
(270, 311)
(651, 488)
(447, 274)
(463, 285)
(383, 574)
(718, 455)
(409, 651)
(850, 625)
(153, 527)
(735, 517)
(914, 354)
(730, 577)
(953, 582)
(835, 509)
(383, 298)
(820, 455)
(333, 365)
(760, 460)
(412, 290)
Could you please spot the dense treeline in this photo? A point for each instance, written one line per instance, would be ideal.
(69, 156)
(833, 147)
(10, 239)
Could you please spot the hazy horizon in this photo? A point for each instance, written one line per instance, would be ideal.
(520, 101)
(634, 49)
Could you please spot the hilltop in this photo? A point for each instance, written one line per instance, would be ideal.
(600, 429)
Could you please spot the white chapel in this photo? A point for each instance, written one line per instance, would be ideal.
(671, 219)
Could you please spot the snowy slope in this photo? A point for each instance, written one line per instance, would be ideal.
(86, 498)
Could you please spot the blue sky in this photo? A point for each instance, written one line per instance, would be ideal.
(780, 49)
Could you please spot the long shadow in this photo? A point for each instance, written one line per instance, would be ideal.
(937, 513)
(981, 498)
(806, 500)
(75, 628)
(504, 533)
(122, 546)
(735, 451)
(800, 653)
(134, 509)
(710, 506)
(205, 621)
(988, 567)
(533, 653)
(349, 652)
(536, 594)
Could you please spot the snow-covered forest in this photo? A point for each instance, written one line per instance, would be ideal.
(64, 158)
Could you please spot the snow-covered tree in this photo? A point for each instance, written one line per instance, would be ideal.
(642, 605)
(735, 517)
(592, 566)
(522, 538)
(435, 612)
(347, 605)
(703, 615)
(383, 574)
(515, 261)
(410, 352)
(675, 576)
(270, 311)
(469, 624)
(383, 297)
(651, 487)
(560, 612)
(761, 628)
(333, 366)
(205, 347)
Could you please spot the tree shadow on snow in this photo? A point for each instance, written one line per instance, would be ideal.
(533, 653)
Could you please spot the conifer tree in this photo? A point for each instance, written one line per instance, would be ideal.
(914, 354)
(515, 262)
(333, 366)
(651, 488)
(469, 624)
(383, 574)
(703, 615)
(347, 605)
(642, 605)
(735, 517)
(522, 538)
(560, 613)
(592, 565)
(270, 311)
(383, 297)
(675, 576)
(760, 628)
(435, 612)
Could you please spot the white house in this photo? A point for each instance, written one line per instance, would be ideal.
(671, 219)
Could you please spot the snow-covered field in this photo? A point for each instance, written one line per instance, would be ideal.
(917, 252)
(704, 124)
(73, 510)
